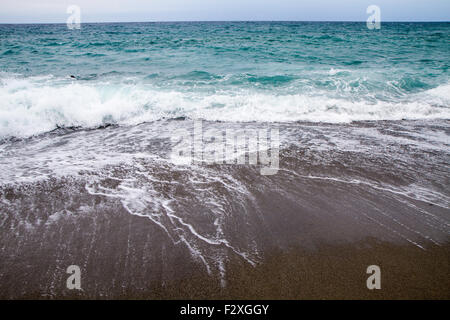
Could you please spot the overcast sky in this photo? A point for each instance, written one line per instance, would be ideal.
(41, 11)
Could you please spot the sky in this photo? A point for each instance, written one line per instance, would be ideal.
(54, 11)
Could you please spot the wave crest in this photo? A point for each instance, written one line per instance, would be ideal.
(35, 105)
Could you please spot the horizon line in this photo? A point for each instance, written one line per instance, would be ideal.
(184, 21)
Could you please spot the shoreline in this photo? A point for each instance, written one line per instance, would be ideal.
(144, 228)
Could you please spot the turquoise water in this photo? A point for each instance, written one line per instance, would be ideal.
(232, 71)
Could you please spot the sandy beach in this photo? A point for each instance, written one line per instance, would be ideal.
(152, 229)
(329, 272)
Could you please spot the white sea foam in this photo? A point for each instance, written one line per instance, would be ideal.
(147, 196)
(30, 106)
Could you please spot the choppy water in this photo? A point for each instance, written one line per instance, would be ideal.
(286, 71)
(87, 178)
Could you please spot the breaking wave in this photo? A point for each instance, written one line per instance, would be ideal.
(34, 105)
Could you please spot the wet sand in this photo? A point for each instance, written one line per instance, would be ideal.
(339, 272)
(149, 229)
(329, 272)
